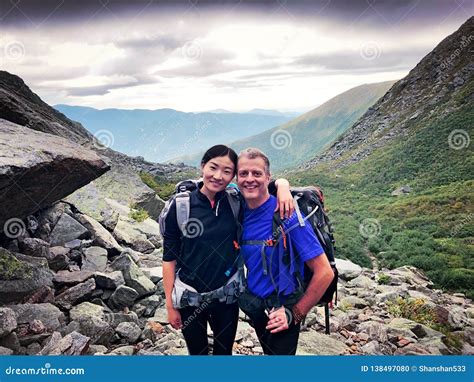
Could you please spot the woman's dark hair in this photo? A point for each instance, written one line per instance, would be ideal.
(220, 151)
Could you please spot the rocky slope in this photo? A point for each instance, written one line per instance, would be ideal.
(18, 104)
(430, 89)
(70, 285)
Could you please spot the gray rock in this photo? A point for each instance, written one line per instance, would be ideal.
(123, 296)
(95, 328)
(73, 244)
(115, 319)
(416, 328)
(11, 341)
(102, 237)
(354, 302)
(94, 259)
(61, 165)
(21, 275)
(123, 350)
(404, 190)
(72, 278)
(133, 275)
(161, 316)
(149, 305)
(59, 262)
(110, 280)
(347, 269)
(126, 233)
(48, 314)
(75, 294)
(72, 344)
(33, 349)
(5, 351)
(7, 321)
(129, 331)
(375, 330)
(34, 247)
(362, 281)
(94, 349)
(312, 342)
(67, 229)
(86, 309)
(155, 274)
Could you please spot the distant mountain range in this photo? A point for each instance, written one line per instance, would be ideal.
(300, 139)
(289, 114)
(159, 135)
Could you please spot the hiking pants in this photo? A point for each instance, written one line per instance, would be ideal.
(281, 343)
(222, 319)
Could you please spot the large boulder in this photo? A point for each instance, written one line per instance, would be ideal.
(67, 229)
(102, 237)
(312, 342)
(347, 269)
(94, 259)
(75, 294)
(48, 314)
(21, 275)
(118, 189)
(133, 275)
(7, 321)
(37, 169)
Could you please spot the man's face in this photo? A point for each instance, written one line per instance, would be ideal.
(252, 179)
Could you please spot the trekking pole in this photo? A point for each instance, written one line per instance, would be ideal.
(326, 313)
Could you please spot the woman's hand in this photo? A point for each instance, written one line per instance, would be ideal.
(278, 320)
(174, 317)
(285, 203)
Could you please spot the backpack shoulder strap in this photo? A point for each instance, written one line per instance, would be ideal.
(182, 209)
(235, 204)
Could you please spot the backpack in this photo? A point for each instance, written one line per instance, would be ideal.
(310, 202)
(182, 195)
(183, 294)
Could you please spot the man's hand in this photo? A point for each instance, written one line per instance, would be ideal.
(174, 317)
(285, 203)
(278, 320)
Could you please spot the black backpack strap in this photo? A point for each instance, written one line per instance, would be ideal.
(235, 206)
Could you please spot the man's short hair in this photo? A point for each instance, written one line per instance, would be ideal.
(252, 153)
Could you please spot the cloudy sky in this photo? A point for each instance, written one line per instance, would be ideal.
(235, 55)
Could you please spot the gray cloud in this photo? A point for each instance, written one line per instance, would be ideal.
(106, 88)
(386, 12)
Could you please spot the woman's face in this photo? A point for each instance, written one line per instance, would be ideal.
(217, 173)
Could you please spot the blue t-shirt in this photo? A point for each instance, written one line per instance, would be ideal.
(258, 225)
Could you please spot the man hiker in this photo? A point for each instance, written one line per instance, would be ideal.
(275, 254)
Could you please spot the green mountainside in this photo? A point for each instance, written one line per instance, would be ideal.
(417, 137)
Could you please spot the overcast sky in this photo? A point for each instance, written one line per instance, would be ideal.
(196, 56)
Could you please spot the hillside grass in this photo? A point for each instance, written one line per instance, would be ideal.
(431, 228)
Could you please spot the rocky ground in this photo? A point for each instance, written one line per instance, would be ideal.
(70, 284)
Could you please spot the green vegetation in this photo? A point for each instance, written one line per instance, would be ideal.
(164, 190)
(11, 268)
(138, 214)
(419, 311)
(432, 228)
(383, 279)
(413, 309)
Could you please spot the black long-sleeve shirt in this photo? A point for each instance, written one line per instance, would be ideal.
(206, 256)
